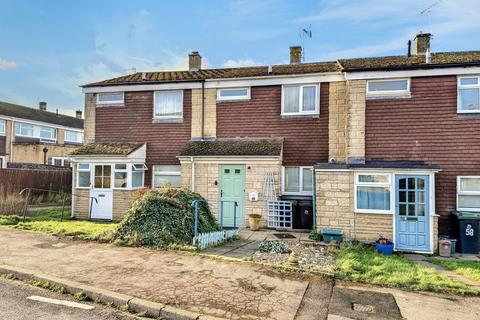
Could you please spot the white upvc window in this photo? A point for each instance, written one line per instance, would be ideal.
(166, 175)
(168, 104)
(48, 134)
(2, 127)
(61, 162)
(468, 100)
(120, 176)
(73, 137)
(138, 175)
(468, 193)
(373, 193)
(3, 162)
(83, 175)
(110, 98)
(388, 87)
(23, 129)
(301, 99)
(228, 94)
(297, 180)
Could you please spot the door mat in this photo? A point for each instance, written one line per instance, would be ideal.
(357, 304)
(284, 235)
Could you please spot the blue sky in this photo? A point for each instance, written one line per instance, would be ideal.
(49, 48)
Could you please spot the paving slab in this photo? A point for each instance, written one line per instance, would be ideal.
(190, 282)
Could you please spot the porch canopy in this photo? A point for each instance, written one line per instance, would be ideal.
(234, 147)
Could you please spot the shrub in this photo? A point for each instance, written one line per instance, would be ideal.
(164, 217)
(315, 236)
(274, 246)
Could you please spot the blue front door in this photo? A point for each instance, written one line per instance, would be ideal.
(412, 213)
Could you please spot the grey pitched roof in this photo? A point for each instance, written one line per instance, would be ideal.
(234, 147)
(22, 112)
(109, 148)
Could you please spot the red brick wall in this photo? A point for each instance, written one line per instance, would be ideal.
(427, 127)
(133, 123)
(306, 138)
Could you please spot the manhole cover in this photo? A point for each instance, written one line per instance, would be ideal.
(284, 235)
(366, 308)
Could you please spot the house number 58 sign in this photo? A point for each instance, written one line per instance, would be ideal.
(469, 230)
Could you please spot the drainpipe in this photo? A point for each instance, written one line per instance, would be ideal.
(193, 174)
(314, 200)
(203, 111)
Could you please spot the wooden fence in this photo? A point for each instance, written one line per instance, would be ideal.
(14, 180)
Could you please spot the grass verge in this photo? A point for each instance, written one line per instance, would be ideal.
(360, 263)
(49, 221)
(466, 268)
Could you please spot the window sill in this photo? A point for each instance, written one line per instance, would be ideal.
(233, 100)
(167, 120)
(102, 105)
(300, 115)
(370, 96)
(373, 212)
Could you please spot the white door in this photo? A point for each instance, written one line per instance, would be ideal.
(101, 201)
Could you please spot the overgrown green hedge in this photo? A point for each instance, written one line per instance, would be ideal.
(164, 217)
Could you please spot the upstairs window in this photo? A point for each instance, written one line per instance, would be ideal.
(300, 100)
(297, 180)
(23, 129)
(110, 98)
(48, 134)
(389, 87)
(2, 127)
(233, 94)
(468, 95)
(168, 104)
(73, 137)
(468, 193)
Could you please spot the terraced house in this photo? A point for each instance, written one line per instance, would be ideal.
(37, 136)
(372, 146)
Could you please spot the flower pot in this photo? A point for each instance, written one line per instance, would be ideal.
(254, 222)
(384, 248)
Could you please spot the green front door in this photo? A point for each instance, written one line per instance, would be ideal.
(232, 189)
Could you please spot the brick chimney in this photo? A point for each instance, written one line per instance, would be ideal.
(295, 54)
(42, 105)
(421, 43)
(194, 61)
(78, 114)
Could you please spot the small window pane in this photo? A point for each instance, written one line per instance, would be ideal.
(137, 179)
(411, 210)
(98, 182)
(373, 198)
(234, 93)
(291, 99)
(121, 166)
(373, 178)
(403, 209)
(309, 94)
(120, 179)
(470, 184)
(402, 196)
(110, 97)
(227, 170)
(411, 183)
(237, 171)
(292, 179)
(84, 179)
(469, 99)
(57, 162)
(47, 133)
(421, 197)
(98, 171)
(402, 183)
(469, 201)
(385, 86)
(421, 210)
(307, 179)
(84, 166)
(411, 196)
(169, 104)
(468, 81)
(420, 184)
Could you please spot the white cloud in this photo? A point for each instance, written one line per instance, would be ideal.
(7, 64)
(240, 63)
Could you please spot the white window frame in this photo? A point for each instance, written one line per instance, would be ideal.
(137, 167)
(468, 193)
(48, 140)
(4, 122)
(164, 173)
(233, 98)
(74, 132)
(467, 86)
(62, 159)
(389, 92)
(387, 185)
(83, 170)
(300, 100)
(156, 117)
(301, 192)
(112, 101)
(3, 163)
(127, 170)
(20, 124)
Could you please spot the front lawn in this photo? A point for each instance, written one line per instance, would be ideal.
(362, 263)
(466, 268)
(49, 221)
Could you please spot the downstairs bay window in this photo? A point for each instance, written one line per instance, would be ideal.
(83, 175)
(297, 181)
(372, 192)
(468, 193)
(138, 175)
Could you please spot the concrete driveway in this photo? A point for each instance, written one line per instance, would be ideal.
(191, 282)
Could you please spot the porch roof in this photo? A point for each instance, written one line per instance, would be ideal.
(110, 149)
(419, 165)
(234, 147)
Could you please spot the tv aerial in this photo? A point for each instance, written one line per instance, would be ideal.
(305, 34)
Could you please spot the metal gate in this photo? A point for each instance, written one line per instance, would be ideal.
(279, 215)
